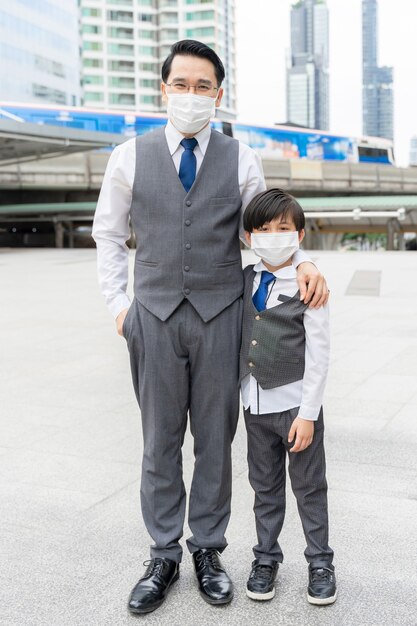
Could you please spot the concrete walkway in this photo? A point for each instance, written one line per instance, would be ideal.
(72, 539)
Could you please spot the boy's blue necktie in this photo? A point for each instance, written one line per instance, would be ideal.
(188, 165)
(260, 295)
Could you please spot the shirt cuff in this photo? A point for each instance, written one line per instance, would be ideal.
(310, 413)
(118, 304)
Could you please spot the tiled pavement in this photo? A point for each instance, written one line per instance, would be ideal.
(72, 541)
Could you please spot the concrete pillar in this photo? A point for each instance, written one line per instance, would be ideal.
(390, 235)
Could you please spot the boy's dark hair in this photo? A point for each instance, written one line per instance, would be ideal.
(196, 49)
(269, 205)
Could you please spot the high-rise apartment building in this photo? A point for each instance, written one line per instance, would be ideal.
(124, 43)
(39, 51)
(307, 71)
(377, 92)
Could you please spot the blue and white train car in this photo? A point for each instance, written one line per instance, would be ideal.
(279, 141)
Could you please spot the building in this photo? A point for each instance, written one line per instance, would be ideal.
(124, 43)
(39, 57)
(377, 91)
(308, 63)
(413, 151)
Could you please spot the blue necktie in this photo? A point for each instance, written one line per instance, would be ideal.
(188, 165)
(260, 295)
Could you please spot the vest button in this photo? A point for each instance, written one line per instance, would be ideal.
(187, 291)
(251, 364)
(257, 317)
(254, 342)
(188, 222)
(187, 268)
(188, 246)
(188, 203)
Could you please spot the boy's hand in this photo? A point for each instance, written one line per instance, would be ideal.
(302, 431)
(312, 285)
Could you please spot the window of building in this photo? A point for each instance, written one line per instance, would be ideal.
(93, 80)
(119, 32)
(199, 1)
(146, 50)
(126, 2)
(49, 94)
(206, 31)
(199, 15)
(148, 83)
(120, 16)
(146, 34)
(146, 17)
(146, 3)
(48, 66)
(168, 3)
(122, 82)
(92, 45)
(93, 96)
(121, 66)
(149, 67)
(91, 28)
(168, 18)
(122, 49)
(92, 63)
(122, 98)
(87, 12)
(169, 33)
(153, 100)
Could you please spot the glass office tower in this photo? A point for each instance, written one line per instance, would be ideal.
(307, 71)
(39, 51)
(377, 91)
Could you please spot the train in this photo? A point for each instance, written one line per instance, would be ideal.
(280, 141)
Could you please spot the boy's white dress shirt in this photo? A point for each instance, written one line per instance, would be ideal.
(308, 392)
(111, 220)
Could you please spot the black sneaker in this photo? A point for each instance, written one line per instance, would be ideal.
(322, 585)
(260, 585)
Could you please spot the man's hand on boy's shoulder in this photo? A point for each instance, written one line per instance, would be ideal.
(302, 431)
(312, 285)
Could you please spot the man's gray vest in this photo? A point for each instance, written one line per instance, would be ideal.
(187, 243)
(273, 341)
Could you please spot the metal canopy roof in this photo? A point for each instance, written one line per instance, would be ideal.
(331, 214)
(21, 141)
(362, 202)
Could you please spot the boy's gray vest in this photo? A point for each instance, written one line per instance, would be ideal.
(187, 243)
(273, 341)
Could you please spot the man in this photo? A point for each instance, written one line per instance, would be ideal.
(184, 187)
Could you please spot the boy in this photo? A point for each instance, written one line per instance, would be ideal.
(283, 368)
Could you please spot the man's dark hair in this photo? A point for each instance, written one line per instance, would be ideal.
(269, 205)
(196, 49)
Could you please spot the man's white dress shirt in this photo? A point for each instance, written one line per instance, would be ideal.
(111, 220)
(308, 392)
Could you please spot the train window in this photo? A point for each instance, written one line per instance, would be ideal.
(367, 153)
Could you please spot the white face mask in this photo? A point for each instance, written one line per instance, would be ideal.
(275, 248)
(190, 113)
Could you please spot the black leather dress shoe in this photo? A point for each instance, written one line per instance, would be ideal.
(322, 584)
(151, 590)
(214, 584)
(261, 582)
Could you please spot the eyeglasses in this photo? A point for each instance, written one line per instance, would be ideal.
(201, 90)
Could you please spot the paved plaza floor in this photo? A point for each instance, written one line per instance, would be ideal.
(72, 540)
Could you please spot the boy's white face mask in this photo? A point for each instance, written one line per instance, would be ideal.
(190, 113)
(275, 248)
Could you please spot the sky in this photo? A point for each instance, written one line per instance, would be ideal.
(263, 41)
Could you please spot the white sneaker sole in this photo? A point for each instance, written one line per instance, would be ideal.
(321, 601)
(260, 596)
